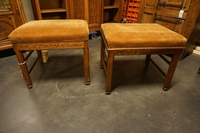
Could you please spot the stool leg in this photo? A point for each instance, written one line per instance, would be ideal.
(147, 60)
(171, 70)
(23, 67)
(86, 63)
(102, 53)
(39, 53)
(199, 71)
(109, 72)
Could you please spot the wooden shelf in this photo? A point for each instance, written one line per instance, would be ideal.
(111, 7)
(50, 9)
(112, 11)
(57, 10)
(110, 22)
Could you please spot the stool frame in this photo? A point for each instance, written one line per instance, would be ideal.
(19, 48)
(106, 60)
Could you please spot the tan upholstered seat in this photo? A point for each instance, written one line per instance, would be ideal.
(138, 39)
(51, 31)
(140, 35)
(50, 34)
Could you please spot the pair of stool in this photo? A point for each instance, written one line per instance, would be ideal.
(117, 39)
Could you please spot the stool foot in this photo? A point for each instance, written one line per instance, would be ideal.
(108, 92)
(29, 86)
(87, 83)
(166, 88)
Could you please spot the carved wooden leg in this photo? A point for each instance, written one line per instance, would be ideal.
(147, 60)
(23, 66)
(86, 63)
(109, 72)
(172, 67)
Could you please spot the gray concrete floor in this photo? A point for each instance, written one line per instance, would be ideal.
(60, 102)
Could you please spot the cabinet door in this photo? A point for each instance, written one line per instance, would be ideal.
(165, 12)
(95, 14)
(78, 9)
(11, 16)
(7, 25)
(90, 10)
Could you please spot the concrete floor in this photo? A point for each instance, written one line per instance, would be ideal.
(60, 102)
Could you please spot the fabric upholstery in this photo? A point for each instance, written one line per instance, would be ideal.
(50, 31)
(120, 35)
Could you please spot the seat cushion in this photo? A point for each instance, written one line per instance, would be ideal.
(50, 31)
(119, 35)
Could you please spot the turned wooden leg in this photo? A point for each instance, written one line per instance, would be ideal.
(23, 67)
(171, 70)
(86, 63)
(109, 72)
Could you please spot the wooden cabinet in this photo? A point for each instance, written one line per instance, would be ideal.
(11, 16)
(55, 9)
(95, 12)
(90, 10)
(167, 13)
(7, 25)
(112, 11)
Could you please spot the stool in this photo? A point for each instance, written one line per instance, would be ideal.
(139, 39)
(49, 34)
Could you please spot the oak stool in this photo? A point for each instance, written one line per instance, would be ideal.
(50, 34)
(139, 39)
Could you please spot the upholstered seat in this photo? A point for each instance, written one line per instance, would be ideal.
(138, 39)
(140, 35)
(50, 34)
(51, 31)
